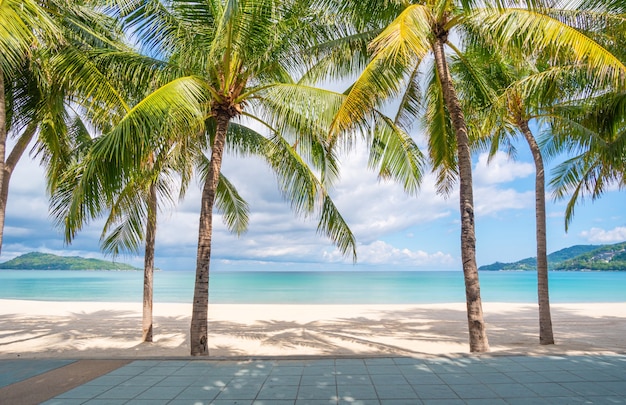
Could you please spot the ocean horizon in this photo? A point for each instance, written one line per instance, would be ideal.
(310, 287)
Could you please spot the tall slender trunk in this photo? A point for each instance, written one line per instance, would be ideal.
(148, 266)
(546, 336)
(199, 317)
(9, 165)
(3, 144)
(477, 331)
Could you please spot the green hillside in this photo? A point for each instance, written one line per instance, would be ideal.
(575, 258)
(46, 261)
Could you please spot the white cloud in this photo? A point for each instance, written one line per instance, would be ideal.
(380, 252)
(491, 200)
(598, 235)
(501, 169)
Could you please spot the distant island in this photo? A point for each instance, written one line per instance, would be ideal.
(575, 258)
(46, 261)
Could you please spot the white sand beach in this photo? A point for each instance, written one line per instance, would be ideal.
(44, 329)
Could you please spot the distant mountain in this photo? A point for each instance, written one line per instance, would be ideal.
(45, 261)
(575, 258)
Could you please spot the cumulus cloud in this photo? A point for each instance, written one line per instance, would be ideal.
(375, 211)
(598, 235)
(492, 200)
(380, 252)
(501, 169)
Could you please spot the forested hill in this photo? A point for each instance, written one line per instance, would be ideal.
(45, 261)
(575, 258)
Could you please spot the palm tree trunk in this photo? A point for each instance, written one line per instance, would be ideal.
(14, 157)
(148, 267)
(476, 324)
(3, 144)
(199, 317)
(546, 336)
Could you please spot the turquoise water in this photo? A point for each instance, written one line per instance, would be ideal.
(348, 287)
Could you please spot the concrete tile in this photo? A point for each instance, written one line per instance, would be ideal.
(318, 380)
(351, 369)
(443, 402)
(147, 402)
(198, 393)
(63, 401)
(123, 392)
(312, 392)
(473, 391)
(381, 361)
(388, 379)
(84, 392)
(356, 392)
(512, 391)
(274, 392)
(395, 392)
(550, 390)
(147, 380)
(412, 401)
(317, 402)
(559, 376)
(353, 379)
(287, 370)
(586, 388)
(525, 377)
(247, 393)
(423, 379)
(435, 391)
(383, 369)
(284, 379)
(160, 392)
(458, 378)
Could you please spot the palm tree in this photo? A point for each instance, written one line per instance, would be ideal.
(40, 92)
(413, 30)
(132, 209)
(594, 135)
(229, 61)
(590, 128)
(490, 87)
(24, 25)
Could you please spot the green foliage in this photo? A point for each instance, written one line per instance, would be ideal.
(611, 257)
(46, 261)
(579, 257)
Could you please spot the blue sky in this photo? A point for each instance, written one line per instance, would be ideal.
(394, 231)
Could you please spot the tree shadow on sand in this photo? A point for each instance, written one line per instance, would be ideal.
(416, 331)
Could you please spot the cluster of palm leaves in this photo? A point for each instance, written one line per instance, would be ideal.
(124, 127)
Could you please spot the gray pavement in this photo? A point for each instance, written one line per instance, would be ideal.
(592, 379)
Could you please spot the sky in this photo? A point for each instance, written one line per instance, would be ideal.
(394, 231)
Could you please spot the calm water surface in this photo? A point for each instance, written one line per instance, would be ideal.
(358, 287)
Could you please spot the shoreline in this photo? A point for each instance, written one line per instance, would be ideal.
(66, 329)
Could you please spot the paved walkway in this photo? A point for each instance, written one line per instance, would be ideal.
(400, 380)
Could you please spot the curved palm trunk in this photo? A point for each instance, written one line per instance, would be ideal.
(11, 161)
(199, 317)
(3, 143)
(148, 267)
(546, 336)
(477, 330)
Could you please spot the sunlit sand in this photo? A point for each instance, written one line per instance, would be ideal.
(41, 329)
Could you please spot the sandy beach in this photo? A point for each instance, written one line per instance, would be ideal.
(43, 329)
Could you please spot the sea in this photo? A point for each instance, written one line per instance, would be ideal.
(314, 287)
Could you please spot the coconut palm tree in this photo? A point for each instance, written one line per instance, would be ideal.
(593, 134)
(40, 95)
(411, 31)
(590, 129)
(489, 84)
(231, 64)
(132, 210)
(24, 25)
